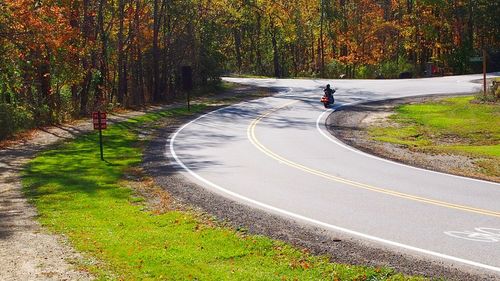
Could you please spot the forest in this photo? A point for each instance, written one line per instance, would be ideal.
(61, 59)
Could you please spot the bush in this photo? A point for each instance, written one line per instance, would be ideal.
(14, 119)
(334, 69)
(392, 68)
(366, 72)
(495, 88)
(492, 94)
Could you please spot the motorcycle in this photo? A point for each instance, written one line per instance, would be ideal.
(327, 102)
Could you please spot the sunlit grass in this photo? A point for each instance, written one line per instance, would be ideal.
(452, 125)
(408, 136)
(78, 195)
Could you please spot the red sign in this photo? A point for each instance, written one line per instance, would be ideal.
(95, 119)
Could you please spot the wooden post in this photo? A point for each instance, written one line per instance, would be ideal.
(100, 134)
(187, 83)
(484, 73)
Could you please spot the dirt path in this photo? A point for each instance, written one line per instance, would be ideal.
(27, 250)
(350, 124)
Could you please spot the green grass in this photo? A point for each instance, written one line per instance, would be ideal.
(452, 125)
(79, 196)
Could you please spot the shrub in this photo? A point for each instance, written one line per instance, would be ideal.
(392, 68)
(495, 88)
(492, 94)
(334, 69)
(14, 119)
(366, 72)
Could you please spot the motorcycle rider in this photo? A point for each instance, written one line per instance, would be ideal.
(329, 93)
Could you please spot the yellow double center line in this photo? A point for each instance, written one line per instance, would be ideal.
(261, 147)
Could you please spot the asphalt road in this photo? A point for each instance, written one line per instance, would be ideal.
(275, 154)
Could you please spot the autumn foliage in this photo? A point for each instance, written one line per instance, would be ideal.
(64, 58)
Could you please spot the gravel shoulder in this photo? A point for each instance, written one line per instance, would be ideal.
(341, 248)
(350, 124)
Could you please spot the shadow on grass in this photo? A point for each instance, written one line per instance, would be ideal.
(76, 168)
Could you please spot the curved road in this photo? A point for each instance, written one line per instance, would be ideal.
(275, 154)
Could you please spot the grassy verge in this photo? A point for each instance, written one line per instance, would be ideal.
(88, 201)
(452, 125)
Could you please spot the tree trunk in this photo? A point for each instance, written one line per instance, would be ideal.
(74, 99)
(156, 53)
(84, 94)
(122, 82)
(87, 63)
(321, 47)
(138, 82)
(237, 46)
(75, 24)
(313, 56)
(101, 83)
(258, 52)
(276, 61)
(45, 91)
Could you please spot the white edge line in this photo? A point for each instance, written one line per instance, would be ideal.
(306, 219)
(342, 144)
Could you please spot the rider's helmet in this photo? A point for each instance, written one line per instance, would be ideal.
(328, 86)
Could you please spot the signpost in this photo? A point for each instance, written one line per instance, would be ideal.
(484, 72)
(483, 60)
(99, 120)
(187, 82)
